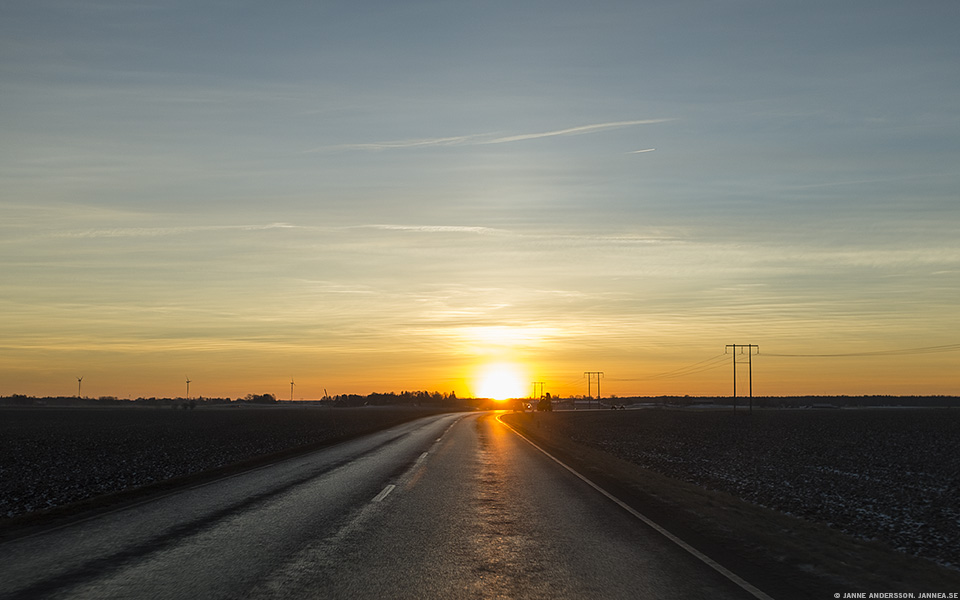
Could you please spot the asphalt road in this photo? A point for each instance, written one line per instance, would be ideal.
(449, 506)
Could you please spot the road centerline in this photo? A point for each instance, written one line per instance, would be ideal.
(384, 493)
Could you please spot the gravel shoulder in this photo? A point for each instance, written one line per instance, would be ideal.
(783, 554)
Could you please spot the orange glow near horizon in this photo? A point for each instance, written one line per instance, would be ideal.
(490, 363)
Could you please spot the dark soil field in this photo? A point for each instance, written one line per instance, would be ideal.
(888, 476)
(52, 458)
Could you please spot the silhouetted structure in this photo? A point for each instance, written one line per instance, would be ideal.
(749, 348)
(545, 403)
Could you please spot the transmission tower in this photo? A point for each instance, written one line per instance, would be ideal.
(535, 384)
(750, 348)
(590, 375)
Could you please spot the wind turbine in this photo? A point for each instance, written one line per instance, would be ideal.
(188, 387)
(291, 388)
(79, 383)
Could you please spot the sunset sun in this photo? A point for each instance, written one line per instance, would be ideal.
(500, 382)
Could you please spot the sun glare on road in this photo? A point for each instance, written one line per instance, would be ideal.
(501, 382)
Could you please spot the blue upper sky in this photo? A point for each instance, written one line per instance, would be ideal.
(386, 195)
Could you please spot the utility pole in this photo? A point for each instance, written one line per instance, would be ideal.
(589, 375)
(749, 348)
(535, 384)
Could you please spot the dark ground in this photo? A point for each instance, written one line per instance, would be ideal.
(60, 459)
(847, 497)
(884, 474)
(888, 475)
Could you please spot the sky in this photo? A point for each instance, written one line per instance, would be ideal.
(385, 196)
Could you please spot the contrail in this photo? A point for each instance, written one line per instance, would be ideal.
(416, 143)
(478, 139)
(574, 130)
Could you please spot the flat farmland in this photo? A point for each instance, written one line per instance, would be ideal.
(57, 457)
(889, 475)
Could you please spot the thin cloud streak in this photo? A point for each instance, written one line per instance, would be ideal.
(855, 182)
(483, 139)
(643, 151)
(401, 144)
(434, 228)
(584, 129)
(137, 232)
(652, 239)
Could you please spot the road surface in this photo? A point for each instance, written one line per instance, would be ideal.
(449, 506)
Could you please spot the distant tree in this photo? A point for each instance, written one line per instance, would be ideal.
(260, 398)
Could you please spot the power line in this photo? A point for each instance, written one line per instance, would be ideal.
(720, 360)
(922, 350)
(698, 367)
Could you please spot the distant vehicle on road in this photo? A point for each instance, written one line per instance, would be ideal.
(545, 403)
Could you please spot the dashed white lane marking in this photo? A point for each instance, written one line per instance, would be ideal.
(745, 585)
(447, 430)
(422, 457)
(383, 494)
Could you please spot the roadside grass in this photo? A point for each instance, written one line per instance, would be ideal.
(785, 556)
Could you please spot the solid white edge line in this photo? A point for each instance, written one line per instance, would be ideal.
(383, 494)
(745, 585)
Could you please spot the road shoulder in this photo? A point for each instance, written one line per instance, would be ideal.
(785, 556)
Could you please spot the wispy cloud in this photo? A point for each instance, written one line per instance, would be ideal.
(153, 232)
(434, 228)
(414, 143)
(134, 232)
(479, 139)
(642, 151)
(856, 182)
